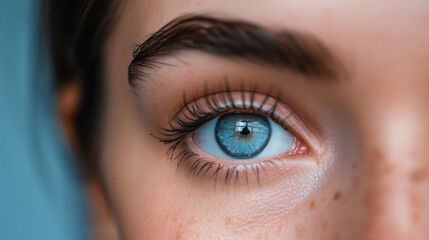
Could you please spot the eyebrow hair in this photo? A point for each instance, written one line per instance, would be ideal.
(235, 39)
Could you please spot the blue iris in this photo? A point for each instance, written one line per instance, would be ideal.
(242, 135)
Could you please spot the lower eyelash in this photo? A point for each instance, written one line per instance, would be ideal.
(201, 167)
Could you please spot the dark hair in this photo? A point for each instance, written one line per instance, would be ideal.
(76, 31)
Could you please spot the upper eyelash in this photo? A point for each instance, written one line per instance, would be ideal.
(193, 116)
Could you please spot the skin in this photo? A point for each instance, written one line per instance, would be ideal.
(368, 182)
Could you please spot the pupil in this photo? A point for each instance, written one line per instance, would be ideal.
(242, 135)
(245, 131)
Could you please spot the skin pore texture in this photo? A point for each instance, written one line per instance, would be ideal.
(367, 170)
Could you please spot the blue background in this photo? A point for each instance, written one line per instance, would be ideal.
(40, 195)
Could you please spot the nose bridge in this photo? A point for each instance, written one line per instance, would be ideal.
(395, 169)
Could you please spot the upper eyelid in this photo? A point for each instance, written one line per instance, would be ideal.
(211, 100)
(193, 114)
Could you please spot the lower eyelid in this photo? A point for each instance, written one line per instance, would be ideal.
(245, 172)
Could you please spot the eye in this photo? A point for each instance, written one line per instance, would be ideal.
(242, 135)
(235, 136)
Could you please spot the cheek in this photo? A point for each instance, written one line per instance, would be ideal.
(149, 204)
(146, 199)
(336, 210)
(151, 201)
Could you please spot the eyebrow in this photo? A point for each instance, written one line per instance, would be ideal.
(235, 39)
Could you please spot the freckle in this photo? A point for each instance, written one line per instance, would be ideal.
(323, 199)
(377, 154)
(416, 217)
(414, 154)
(178, 233)
(312, 205)
(178, 236)
(227, 221)
(299, 231)
(188, 195)
(337, 196)
(418, 175)
(415, 201)
(324, 225)
(387, 169)
(354, 165)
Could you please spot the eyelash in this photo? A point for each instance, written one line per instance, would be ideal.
(194, 116)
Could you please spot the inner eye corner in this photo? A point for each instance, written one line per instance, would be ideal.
(300, 147)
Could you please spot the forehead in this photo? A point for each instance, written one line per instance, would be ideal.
(384, 31)
(346, 25)
(381, 41)
(327, 16)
